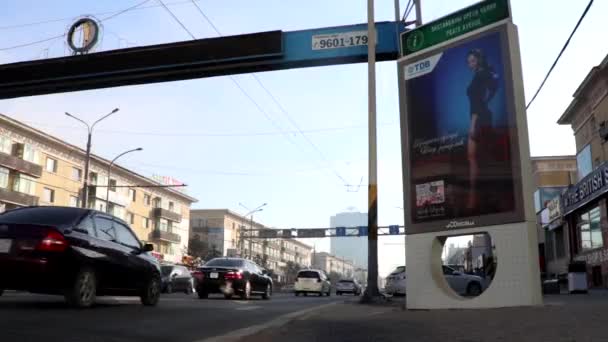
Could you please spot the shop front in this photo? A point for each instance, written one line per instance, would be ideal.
(585, 211)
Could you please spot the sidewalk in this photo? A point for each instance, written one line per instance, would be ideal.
(561, 318)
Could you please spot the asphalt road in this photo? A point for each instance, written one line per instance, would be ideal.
(25, 317)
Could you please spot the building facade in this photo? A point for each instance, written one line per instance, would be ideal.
(225, 232)
(552, 176)
(333, 264)
(584, 204)
(353, 248)
(39, 169)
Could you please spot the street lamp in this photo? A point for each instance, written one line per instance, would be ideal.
(85, 189)
(251, 212)
(110, 173)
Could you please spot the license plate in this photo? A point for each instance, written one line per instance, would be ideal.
(213, 275)
(5, 245)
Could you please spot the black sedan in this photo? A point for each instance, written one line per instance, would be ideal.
(176, 278)
(230, 276)
(78, 253)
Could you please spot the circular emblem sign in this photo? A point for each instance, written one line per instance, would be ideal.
(83, 35)
(415, 41)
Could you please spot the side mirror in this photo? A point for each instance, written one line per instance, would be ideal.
(147, 247)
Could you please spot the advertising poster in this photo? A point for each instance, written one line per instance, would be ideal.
(462, 140)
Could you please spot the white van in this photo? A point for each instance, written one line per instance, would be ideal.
(312, 281)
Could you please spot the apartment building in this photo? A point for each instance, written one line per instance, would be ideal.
(39, 169)
(331, 263)
(585, 203)
(224, 231)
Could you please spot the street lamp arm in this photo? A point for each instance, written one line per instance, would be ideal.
(103, 117)
(122, 154)
(80, 120)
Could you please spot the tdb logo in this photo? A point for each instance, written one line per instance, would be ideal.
(418, 67)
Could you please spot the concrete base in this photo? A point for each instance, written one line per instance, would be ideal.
(517, 279)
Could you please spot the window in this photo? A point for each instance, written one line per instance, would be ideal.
(51, 165)
(157, 202)
(130, 218)
(74, 201)
(5, 145)
(590, 230)
(29, 153)
(93, 177)
(147, 199)
(53, 216)
(163, 225)
(171, 206)
(560, 248)
(112, 184)
(48, 195)
(87, 225)
(145, 222)
(3, 177)
(125, 236)
(76, 174)
(105, 228)
(132, 195)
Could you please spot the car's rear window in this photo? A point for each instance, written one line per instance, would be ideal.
(308, 274)
(225, 263)
(43, 215)
(346, 281)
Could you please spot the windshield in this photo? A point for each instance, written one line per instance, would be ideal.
(220, 262)
(166, 270)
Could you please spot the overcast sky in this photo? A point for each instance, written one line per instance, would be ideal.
(248, 159)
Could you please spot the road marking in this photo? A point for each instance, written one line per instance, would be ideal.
(248, 308)
(237, 335)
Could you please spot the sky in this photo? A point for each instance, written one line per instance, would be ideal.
(209, 135)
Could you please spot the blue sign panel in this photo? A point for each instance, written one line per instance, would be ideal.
(362, 230)
(393, 230)
(341, 231)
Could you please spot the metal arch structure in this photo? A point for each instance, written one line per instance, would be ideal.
(303, 233)
(246, 53)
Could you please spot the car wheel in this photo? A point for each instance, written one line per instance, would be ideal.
(328, 293)
(305, 294)
(268, 292)
(82, 292)
(338, 293)
(246, 295)
(320, 294)
(227, 296)
(202, 295)
(474, 289)
(189, 289)
(150, 294)
(297, 294)
(169, 288)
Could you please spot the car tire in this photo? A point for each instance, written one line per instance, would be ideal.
(228, 296)
(189, 290)
(474, 289)
(268, 293)
(297, 294)
(150, 293)
(338, 293)
(246, 295)
(202, 295)
(81, 293)
(305, 294)
(169, 288)
(320, 294)
(328, 293)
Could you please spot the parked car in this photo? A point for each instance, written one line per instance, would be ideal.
(231, 276)
(75, 252)
(348, 286)
(312, 281)
(176, 278)
(462, 283)
(395, 282)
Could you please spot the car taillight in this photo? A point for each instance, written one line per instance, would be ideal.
(233, 276)
(53, 241)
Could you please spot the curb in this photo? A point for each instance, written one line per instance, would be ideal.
(273, 324)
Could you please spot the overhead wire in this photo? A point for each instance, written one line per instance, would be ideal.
(580, 20)
(276, 101)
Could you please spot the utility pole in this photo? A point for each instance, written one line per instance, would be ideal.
(372, 188)
(251, 212)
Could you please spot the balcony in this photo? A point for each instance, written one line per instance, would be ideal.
(17, 198)
(165, 236)
(166, 214)
(20, 165)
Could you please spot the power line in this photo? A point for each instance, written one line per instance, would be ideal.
(276, 101)
(49, 21)
(580, 20)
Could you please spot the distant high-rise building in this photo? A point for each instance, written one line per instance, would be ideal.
(353, 248)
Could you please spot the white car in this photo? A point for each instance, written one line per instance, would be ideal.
(461, 283)
(312, 281)
(395, 282)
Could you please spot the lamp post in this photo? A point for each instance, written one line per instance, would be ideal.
(87, 159)
(110, 173)
(251, 212)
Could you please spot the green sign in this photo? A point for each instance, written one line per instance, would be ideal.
(456, 24)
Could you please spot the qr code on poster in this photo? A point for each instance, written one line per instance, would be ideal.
(430, 193)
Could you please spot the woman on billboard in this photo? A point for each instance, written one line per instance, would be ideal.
(480, 91)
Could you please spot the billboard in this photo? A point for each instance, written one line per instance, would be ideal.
(459, 131)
